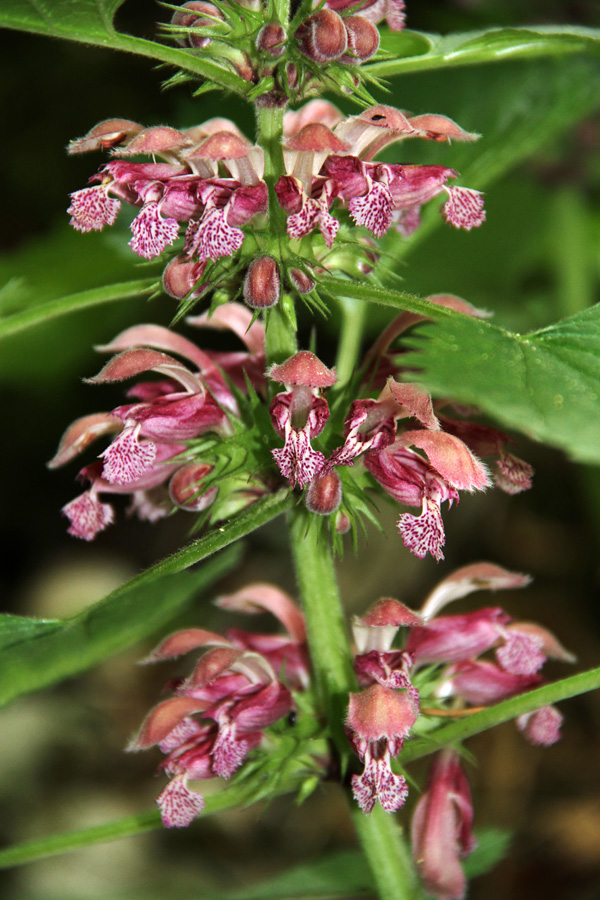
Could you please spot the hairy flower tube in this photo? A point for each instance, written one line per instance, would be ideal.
(441, 828)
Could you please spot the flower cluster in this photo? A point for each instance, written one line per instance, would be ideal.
(417, 455)
(147, 455)
(285, 60)
(422, 465)
(239, 687)
(245, 682)
(444, 654)
(212, 180)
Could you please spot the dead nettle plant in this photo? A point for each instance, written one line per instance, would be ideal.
(306, 215)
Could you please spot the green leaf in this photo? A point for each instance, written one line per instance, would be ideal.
(62, 306)
(520, 110)
(492, 846)
(127, 615)
(449, 735)
(545, 384)
(340, 287)
(234, 795)
(48, 651)
(419, 52)
(91, 22)
(343, 875)
(14, 629)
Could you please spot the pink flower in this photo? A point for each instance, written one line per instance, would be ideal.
(319, 171)
(220, 711)
(300, 414)
(185, 188)
(411, 479)
(149, 435)
(542, 726)
(442, 829)
(378, 721)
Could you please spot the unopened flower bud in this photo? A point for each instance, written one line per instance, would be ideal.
(291, 73)
(185, 488)
(271, 39)
(303, 283)
(342, 523)
(363, 40)
(322, 37)
(262, 283)
(367, 263)
(181, 276)
(196, 13)
(324, 494)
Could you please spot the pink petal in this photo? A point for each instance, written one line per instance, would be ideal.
(476, 577)
(521, 653)
(163, 719)
(297, 461)
(134, 362)
(237, 318)
(80, 435)
(255, 598)
(378, 712)
(88, 516)
(512, 474)
(183, 641)
(541, 727)
(464, 207)
(178, 805)
(158, 338)
(228, 752)
(374, 210)
(378, 782)
(127, 459)
(91, 209)
(450, 457)
(214, 237)
(425, 533)
(302, 223)
(151, 232)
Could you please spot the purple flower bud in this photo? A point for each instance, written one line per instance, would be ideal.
(271, 39)
(262, 285)
(181, 276)
(322, 37)
(363, 40)
(303, 283)
(324, 494)
(441, 829)
(194, 14)
(185, 488)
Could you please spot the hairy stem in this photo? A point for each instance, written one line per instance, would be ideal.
(327, 637)
(280, 320)
(353, 316)
(387, 854)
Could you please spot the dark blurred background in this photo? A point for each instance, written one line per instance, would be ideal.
(535, 260)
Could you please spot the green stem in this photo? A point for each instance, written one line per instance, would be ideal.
(330, 652)
(63, 306)
(387, 854)
(269, 136)
(235, 795)
(280, 320)
(353, 317)
(502, 712)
